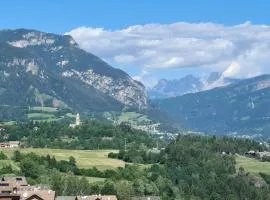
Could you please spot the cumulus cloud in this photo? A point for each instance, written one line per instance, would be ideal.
(239, 51)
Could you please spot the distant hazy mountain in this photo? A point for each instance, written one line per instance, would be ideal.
(188, 84)
(242, 107)
(43, 69)
(171, 88)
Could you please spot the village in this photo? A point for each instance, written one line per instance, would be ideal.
(17, 188)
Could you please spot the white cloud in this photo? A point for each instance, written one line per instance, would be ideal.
(241, 51)
(145, 77)
(123, 58)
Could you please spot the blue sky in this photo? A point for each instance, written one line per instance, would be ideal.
(187, 36)
(60, 16)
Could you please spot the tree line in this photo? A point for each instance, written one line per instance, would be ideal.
(191, 167)
(90, 135)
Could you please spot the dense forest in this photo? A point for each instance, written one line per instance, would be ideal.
(90, 135)
(191, 167)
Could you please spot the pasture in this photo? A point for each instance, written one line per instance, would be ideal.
(252, 165)
(84, 158)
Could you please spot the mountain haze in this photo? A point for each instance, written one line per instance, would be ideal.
(188, 84)
(240, 108)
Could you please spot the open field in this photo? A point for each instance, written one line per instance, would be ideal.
(44, 109)
(40, 116)
(84, 158)
(132, 116)
(16, 167)
(7, 123)
(252, 165)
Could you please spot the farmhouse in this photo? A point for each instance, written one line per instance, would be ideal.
(10, 144)
(4, 145)
(258, 154)
(14, 144)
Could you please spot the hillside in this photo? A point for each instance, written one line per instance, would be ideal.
(91, 135)
(191, 167)
(43, 69)
(240, 108)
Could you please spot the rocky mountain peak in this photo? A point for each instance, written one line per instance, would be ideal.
(44, 58)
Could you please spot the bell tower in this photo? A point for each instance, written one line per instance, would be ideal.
(78, 120)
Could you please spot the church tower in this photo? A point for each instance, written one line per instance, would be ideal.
(78, 120)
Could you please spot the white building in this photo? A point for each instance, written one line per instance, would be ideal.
(77, 121)
(14, 144)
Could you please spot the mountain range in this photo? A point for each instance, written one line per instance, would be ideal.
(40, 69)
(188, 84)
(241, 108)
(44, 69)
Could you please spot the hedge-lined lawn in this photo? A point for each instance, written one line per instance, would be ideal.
(252, 165)
(40, 116)
(84, 158)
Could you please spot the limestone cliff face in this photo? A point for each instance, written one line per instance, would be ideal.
(53, 67)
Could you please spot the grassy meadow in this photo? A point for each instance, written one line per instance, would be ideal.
(132, 116)
(252, 165)
(84, 158)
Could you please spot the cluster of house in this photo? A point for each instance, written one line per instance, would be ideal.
(258, 154)
(10, 144)
(17, 188)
